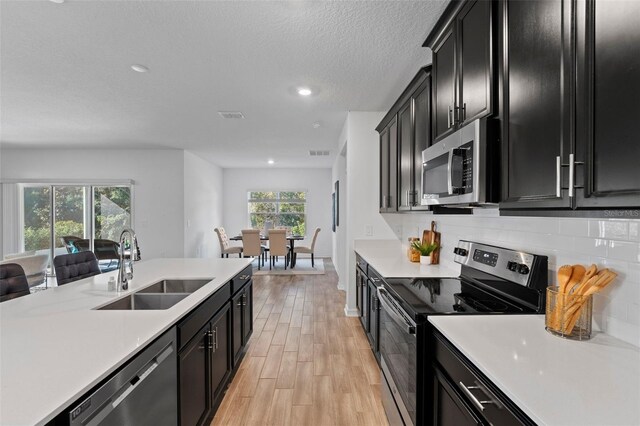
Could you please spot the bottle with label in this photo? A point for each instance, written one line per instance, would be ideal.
(111, 285)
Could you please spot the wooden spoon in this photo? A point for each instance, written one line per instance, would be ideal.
(577, 275)
(564, 275)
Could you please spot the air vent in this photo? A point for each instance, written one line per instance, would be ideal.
(237, 115)
(316, 153)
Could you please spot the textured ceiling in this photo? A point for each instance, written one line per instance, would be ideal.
(66, 81)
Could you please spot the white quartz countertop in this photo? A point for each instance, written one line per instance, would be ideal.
(553, 380)
(389, 259)
(54, 346)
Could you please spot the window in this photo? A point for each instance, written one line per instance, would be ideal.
(279, 208)
(65, 218)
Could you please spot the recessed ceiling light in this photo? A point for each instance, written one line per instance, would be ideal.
(316, 125)
(304, 91)
(139, 68)
(270, 161)
(57, 1)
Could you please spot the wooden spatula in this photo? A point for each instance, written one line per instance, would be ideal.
(564, 275)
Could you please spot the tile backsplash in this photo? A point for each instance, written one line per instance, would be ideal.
(608, 243)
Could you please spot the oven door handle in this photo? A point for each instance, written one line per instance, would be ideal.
(399, 318)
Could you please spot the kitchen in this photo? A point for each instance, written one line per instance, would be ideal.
(546, 189)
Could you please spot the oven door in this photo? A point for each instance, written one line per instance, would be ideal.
(398, 358)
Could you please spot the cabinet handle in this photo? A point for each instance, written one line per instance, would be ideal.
(558, 173)
(449, 115)
(215, 337)
(476, 402)
(209, 339)
(407, 204)
(464, 111)
(572, 172)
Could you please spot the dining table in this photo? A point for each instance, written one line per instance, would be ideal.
(292, 239)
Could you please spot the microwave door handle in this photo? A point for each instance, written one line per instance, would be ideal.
(449, 173)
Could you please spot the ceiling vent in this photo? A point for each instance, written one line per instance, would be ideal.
(316, 153)
(237, 115)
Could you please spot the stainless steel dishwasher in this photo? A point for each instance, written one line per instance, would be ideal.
(143, 392)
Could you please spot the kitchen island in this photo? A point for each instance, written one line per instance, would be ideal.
(55, 346)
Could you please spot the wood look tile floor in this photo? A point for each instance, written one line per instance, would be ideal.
(307, 364)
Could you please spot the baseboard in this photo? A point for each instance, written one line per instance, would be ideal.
(340, 286)
(351, 312)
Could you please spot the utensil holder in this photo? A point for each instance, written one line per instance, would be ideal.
(568, 315)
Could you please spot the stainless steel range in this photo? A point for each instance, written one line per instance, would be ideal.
(493, 280)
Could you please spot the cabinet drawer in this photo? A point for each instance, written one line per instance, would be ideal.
(203, 313)
(496, 408)
(241, 279)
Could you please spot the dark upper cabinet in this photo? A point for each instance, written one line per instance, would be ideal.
(421, 139)
(444, 84)
(389, 168)
(195, 389)
(608, 89)
(405, 156)
(462, 46)
(475, 40)
(537, 112)
(404, 133)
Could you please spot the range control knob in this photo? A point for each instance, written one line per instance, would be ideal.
(512, 266)
(523, 269)
(460, 251)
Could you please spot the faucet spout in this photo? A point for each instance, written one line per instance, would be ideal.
(134, 254)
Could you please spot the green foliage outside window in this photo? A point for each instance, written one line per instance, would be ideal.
(280, 208)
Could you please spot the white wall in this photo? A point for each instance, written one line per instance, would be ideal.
(316, 182)
(158, 177)
(203, 188)
(339, 173)
(608, 243)
(362, 176)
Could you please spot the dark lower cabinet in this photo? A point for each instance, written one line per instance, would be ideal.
(374, 321)
(241, 320)
(220, 354)
(194, 372)
(449, 409)
(464, 396)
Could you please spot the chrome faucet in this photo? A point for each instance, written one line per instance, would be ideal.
(134, 254)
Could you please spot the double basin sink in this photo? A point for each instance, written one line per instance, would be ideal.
(161, 295)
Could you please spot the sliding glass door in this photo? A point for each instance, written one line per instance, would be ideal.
(61, 219)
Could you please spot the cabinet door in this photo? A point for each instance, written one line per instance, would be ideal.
(195, 394)
(444, 84)
(364, 319)
(475, 66)
(359, 291)
(384, 170)
(537, 69)
(393, 167)
(374, 323)
(448, 407)
(236, 326)
(220, 357)
(607, 107)
(421, 139)
(405, 154)
(247, 312)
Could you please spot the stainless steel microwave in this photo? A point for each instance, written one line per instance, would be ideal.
(459, 169)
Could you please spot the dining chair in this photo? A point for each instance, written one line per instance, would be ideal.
(251, 244)
(75, 266)
(13, 282)
(225, 247)
(33, 264)
(308, 250)
(278, 246)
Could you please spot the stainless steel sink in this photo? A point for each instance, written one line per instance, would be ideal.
(136, 301)
(175, 286)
